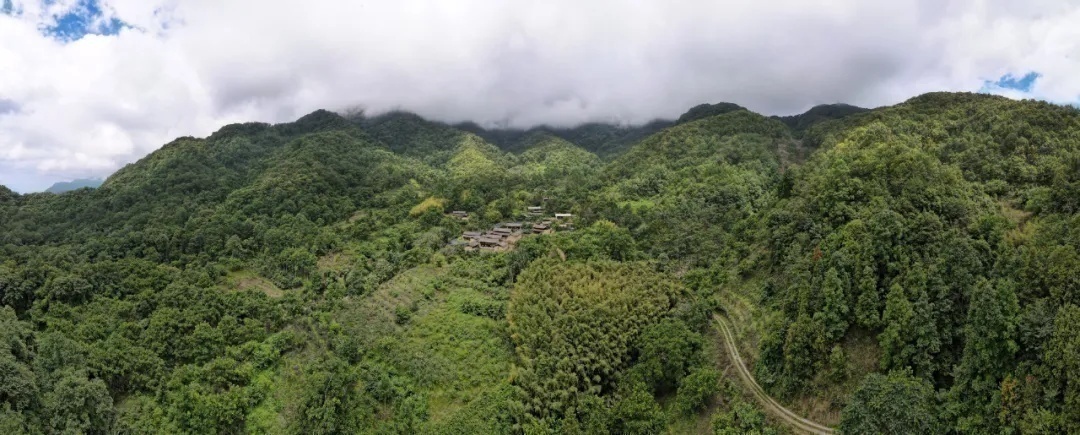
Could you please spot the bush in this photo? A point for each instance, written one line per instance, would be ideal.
(402, 315)
(668, 350)
(743, 418)
(483, 308)
(697, 389)
(637, 412)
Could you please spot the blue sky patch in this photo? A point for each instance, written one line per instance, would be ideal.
(85, 19)
(1022, 83)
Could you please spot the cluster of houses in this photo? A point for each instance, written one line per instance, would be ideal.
(504, 236)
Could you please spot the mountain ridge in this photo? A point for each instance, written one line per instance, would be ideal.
(80, 183)
(906, 269)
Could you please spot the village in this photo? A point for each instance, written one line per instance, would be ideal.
(504, 236)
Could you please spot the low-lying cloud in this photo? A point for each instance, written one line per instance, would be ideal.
(82, 101)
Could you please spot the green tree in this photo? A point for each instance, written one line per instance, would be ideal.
(78, 404)
(868, 305)
(667, 352)
(18, 386)
(741, 418)
(838, 370)
(803, 348)
(12, 422)
(834, 312)
(329, 404)
(989, 350)
(125, 366)
(637, 412)
(897, 317)
(896, 403)
(1063, 357)
(697, 389)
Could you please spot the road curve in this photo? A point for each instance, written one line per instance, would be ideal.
(771, 406)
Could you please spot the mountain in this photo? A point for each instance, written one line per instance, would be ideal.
(605, 140)
(66, 186)
(703, 111)
(408, 133)
(903, 269)
(820, 113)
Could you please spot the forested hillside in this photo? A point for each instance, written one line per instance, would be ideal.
(605, 140)
(907, 269)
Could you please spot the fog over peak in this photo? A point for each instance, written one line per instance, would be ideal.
(89, 85)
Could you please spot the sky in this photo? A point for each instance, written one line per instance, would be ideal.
(87, 86)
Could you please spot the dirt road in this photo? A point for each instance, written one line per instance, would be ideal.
(770, 405)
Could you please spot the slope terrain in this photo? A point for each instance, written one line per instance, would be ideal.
(906, 269)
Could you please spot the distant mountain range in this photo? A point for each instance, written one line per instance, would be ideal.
(606, 140)
(67, 186)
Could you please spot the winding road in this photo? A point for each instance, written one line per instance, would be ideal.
(770, 405)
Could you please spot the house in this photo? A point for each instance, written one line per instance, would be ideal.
(460, 214)
(541, 229)
(490, 242)
(501, 232)
(534, 211)
(563, 216)
(470, 235)
(516, 226)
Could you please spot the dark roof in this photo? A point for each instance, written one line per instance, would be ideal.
(490, 240)
(471, 234)
(502, 230)
(512, 225)
(541, 226)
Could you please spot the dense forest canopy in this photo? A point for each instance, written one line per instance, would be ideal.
(907, 269)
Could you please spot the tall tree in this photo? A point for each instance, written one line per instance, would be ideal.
(989, 350)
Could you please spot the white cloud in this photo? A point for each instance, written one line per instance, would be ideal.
(85, 107)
